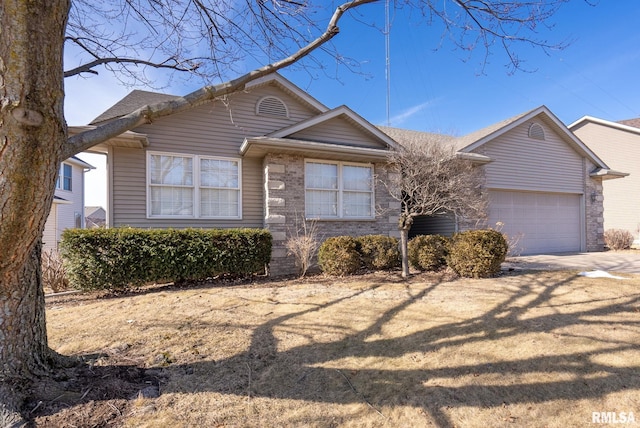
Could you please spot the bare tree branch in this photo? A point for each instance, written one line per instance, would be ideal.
(87, 139)
(429, 179)
(169, 63)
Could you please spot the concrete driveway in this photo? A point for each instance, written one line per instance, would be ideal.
(609, 261)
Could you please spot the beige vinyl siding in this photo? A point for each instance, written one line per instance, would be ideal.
(620, 150)
(338, 129)
(520, 162)
(212, 129)
(129, 186)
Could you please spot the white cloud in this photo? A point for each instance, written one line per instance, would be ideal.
(405, 115)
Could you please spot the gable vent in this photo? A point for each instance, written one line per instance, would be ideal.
(536, 131)
(272, 106)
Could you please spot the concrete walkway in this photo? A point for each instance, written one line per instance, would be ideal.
(609, 261)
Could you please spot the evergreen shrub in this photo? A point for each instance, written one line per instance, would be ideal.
(339, 256)
(477, 253)
(379, 252)
(119, 258)
(428, 252)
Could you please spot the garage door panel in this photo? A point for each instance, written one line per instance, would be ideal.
(544, 222)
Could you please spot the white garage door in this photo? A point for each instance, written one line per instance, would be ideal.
(544, 222)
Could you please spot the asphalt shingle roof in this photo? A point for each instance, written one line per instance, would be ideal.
(459, 143)
(631, 122)
(133, 101)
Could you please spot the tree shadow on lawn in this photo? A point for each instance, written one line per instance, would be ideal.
(307, 372)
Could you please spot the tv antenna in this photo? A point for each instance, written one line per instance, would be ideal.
(387, 48)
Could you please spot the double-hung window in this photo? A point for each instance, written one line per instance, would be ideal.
(219, 188)
(193, 186)
(338, 190)
(64, 177)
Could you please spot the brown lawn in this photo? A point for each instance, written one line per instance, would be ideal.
(534, 349)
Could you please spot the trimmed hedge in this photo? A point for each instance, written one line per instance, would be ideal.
(379, 252)
(477, 253)
(339, 256)
(122, 257)
(428, 252)
(346, 255)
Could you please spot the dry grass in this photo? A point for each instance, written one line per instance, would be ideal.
(537, 349)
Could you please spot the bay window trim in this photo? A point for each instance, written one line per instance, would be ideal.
(340, 191)
(196, 187)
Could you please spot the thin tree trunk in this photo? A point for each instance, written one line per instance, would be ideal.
(404, 251)
(32, 135)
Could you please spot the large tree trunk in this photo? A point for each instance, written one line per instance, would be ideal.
(32, 135)
(23, 350)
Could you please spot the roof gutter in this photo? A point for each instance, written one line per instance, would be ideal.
(254, 147)
(474, 157)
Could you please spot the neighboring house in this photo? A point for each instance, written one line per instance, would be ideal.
(269, 156)
(95, 217)
(617, 143)
(544, 184)
(67, 210)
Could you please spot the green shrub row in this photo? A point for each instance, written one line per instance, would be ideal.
(345, 255)
(122, 257)
(472, 254)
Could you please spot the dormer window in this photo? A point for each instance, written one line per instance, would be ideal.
(271, 106)
(536, 131)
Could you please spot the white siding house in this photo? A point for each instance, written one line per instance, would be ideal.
(67, 210)
(618, 143)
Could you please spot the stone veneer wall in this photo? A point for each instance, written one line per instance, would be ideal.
(594, 210)
(285, 208)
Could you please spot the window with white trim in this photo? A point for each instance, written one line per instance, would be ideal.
(65, 180)
(338, 190)
(193, 186)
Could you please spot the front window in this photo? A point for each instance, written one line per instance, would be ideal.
(220, 188)
(64, 177)
(193, 186)
(171, 185)
(338, 190)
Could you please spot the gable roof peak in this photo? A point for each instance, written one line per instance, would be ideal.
(139, 98)
(327, 115)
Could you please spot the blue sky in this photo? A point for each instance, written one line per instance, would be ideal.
(444, 89)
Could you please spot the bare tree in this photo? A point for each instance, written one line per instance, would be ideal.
(430, 179)
(131, 38)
